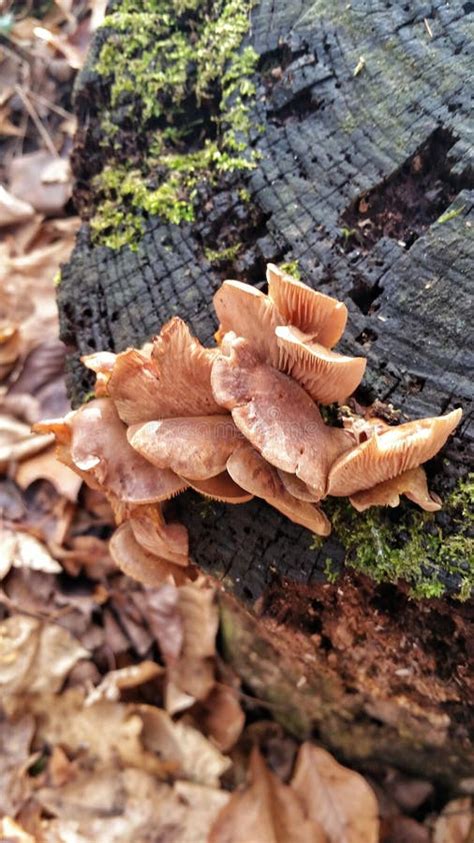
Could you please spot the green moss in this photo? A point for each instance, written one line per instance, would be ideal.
(57, 278)
(292, 268)
(164, 61)
(216, 256)
(409, 544)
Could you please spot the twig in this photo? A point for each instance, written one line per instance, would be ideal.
(51, 105)
(36, 120)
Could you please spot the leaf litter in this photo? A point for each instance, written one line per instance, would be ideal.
(119, 721)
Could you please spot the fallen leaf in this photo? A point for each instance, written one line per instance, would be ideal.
(455, 823)
(20, 550)
(15, 741)
(127, 677)
(26, 174)
(338, 799)
(266, 811)
(11, 832)
(46, 466)
(222, 718)
(35, 657)
(12, 209)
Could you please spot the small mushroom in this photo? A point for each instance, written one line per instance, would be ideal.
(389, 454)
(252, 472)
(321, 316)
(168, 541)
(102, 363)
(220, 488)
(249, 313)
(411, 483)
(296, 487)
(138, 563)
(276, 415)
(197, 447)
(325, 375)
(98, 450)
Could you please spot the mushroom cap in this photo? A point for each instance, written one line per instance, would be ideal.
(313, 313)
(276, 415)
(102, 363)
(388, 454)
(184, 369)
(326, 375)
(249, 313)
(153, 534)
(99, 446)
(220, 488)
(412, 483)
(197, 447)
(134, 386)
(252, 472)
(135, 561)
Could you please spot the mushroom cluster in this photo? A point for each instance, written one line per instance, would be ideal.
(237, 421)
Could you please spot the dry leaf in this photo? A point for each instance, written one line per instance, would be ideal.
(35, 657)
(266, 811)
(13, 833)
(26, 175)
(12, 209)
(455, 822)
(127, 677)
(338, 799)
(20, 550)
(15, 740)
(46, 466)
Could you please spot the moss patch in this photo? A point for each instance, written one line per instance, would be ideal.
(178, 71)
(404, 543)
(292, 268)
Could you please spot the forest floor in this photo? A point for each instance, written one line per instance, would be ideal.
(120, 720)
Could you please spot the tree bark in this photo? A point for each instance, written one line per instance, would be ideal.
(363, 177)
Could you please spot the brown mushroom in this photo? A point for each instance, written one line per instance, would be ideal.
(136, 562)
(411, 483)
(221, 488)
(102, 363)
(325, 375)
(276, 415)
(98, 450)
(249, 313)
(252, 472)
(389, 454)
(296, 487)
(168, 541)
(314, 313)
(197, 447)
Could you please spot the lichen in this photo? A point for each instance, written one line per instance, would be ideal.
(180, 73)
(216, 256)
(409, 545)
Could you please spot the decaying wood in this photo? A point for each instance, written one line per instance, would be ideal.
(392, 137)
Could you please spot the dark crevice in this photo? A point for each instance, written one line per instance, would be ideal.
(408, 202)
(364, 294)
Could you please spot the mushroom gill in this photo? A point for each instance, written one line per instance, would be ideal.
(412, 483)
(326, 375)
(314, 313)
(276, 415)
(220, 488)
(252, 472)
(168, 541)
(388, 454)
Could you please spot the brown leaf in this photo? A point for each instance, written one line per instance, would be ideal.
(35, 657)
(13, 833)
(46, 466)
(127, 677)
(455, 822)
(15, 740)
(338, 799)
(20, 550)
(27, 182)
(266, 811)
(12, 209)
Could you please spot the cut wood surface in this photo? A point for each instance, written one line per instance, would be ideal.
(364, 178)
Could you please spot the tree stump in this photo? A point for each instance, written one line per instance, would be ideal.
(351, 136)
